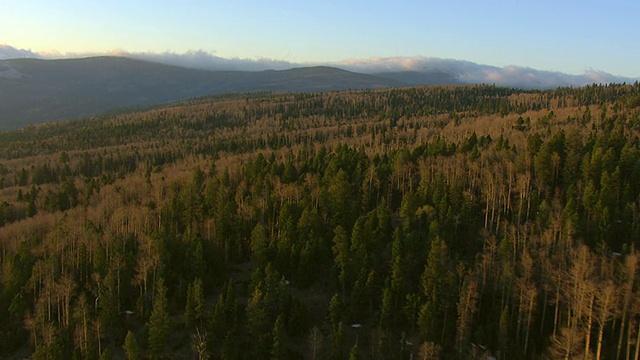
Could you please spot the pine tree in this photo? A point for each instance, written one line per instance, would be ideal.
(335, 310)
(259, 245)
(437, 280)
(131, 348)
(230, 347)
(503, 332)
(279, 348)
(159, 322)
(106, 355)
(398, 281)
(341, 256)
(353, 353)
(338, 338)
(194, 308)
(467, 307)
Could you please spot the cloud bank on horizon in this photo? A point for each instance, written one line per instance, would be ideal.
(472, 73)
(463, 71)
(9, 52)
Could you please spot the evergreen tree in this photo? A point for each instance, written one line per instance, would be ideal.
(159, 324)
(436, 282)
(353, 353)
(341, 256)
(106, 355)
(279, 348)
(231, 346)
(259, 245)
(338, 339)
(398, 266)
(335, 310)
(132, 350)
(194, 308)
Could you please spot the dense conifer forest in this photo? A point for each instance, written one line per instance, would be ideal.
(419, 223)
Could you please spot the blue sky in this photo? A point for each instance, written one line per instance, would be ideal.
(571, 36)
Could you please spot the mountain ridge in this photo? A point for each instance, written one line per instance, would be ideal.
(35, 91)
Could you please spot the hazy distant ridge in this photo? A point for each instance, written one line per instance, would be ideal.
(36, 91)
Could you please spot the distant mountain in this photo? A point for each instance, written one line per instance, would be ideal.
(35, 91)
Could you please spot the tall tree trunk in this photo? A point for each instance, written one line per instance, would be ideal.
(587, 342)
(556, 311)
(544, 312)
(99, 335)
(629, 327)
(532, 293)
(637, 352)
(621, 336)
(444, 324)
(569, 347)
(85, 329)
(599, 347)
(519, 322)
(630, 267)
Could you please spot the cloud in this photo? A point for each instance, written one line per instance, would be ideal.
(473, 73)
(382, 65)
(200, 59)
(462, 71)
(9, 52)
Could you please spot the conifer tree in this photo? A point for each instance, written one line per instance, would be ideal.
(353, 353)
(194, 307)
(131, 348)
(159, 322)
(338, 338)
(279, 348)
(341, 256)
(435, 281)
(230, 346)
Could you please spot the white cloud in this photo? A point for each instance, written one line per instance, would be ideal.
(463, 71)
(196, 59)
(200, 59)
(381, 65)
(469, 72)
(9, 52)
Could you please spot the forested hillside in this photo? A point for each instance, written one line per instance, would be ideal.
(34, 91)
(433, 222)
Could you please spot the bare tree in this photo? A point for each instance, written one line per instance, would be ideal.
(605, 305)
(315, 342)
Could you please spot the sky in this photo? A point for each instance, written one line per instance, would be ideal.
(567, 36)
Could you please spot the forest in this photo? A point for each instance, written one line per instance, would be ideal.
(444, 222)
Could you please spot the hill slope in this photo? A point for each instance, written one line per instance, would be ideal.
(36, 91)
